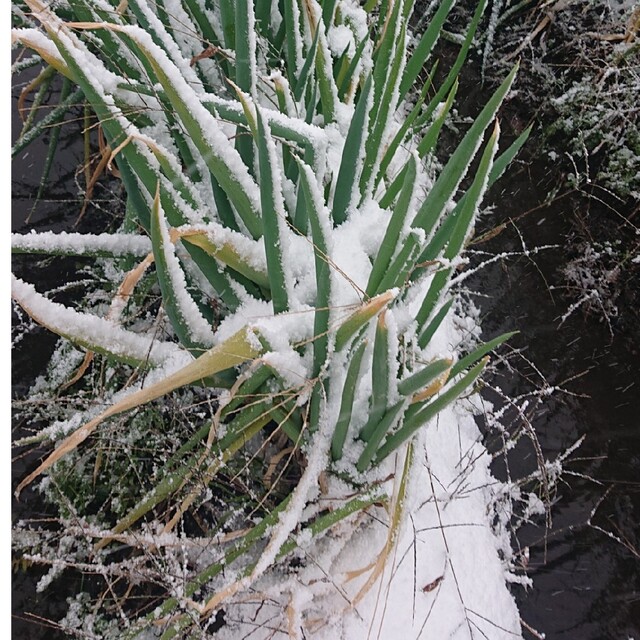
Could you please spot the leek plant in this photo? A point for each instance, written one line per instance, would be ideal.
(282, 204)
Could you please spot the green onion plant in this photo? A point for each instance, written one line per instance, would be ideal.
(276, 161)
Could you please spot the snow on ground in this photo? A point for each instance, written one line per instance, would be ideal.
(443, 578)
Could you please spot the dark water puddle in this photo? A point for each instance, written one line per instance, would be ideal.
(586, 585)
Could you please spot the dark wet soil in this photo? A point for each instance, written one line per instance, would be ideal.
(586, 567)
(35, 614)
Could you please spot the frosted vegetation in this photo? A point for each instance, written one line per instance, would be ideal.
(590, 99)
(598, 108)
(267, 422)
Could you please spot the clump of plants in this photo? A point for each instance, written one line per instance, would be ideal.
(279, 287)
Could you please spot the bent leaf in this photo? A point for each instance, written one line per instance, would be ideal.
(91, 332)
(226, 252)
(358, 319)
(420, 379)
(192, 329)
